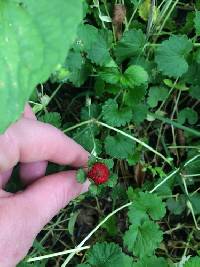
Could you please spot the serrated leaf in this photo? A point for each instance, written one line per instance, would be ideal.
(131, 44)
(119, 146)
(135, 75)
(139, 113)
(110, 75)
(32, 44)
(142, 240)
(187, 114)
(197, 22)
(53, 118)
(135, 95)
(81, 176)
(151, 262)
(171, 56)
(114, 116)
(146, 204)
(156, 94)
(108, 255)
(176, 206)
(193, 262)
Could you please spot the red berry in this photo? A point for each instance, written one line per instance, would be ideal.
(99, 173)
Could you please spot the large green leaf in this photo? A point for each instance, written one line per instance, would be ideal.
(35, 37)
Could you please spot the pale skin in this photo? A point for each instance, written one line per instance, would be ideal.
(24, 214)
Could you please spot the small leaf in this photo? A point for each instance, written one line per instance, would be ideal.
(176, 206)
(151, 262)
(53, 118)
(188, 114)
(81, 176)
(171, 56)
(156, 94)
(142, 240)
(108, 255)
(135, 75)
(131, 44)
(110, 75)
(119, 146)
(114, 116)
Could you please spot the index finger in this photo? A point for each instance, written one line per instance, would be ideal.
(30, 141)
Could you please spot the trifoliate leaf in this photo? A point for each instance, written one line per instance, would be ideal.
(115, 116)
(142, 240)
(197, 22)
(171, 56)
(81, 176)
(119, 146)
(193, 262)
(134, 76)
(176, 206)
(187, 114)
(53, 118)
(108, 255)
(131, 44)
(110, 75)
(156, 94)
(151, 262)
(148, 204)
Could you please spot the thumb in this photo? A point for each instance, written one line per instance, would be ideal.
(48, 195)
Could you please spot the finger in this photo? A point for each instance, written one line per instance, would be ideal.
(48, 195)
(28, 113)
(30, 141)
(29, 172)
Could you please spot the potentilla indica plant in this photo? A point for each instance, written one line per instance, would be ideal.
(122, 78)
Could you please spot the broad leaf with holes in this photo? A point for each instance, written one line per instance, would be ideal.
(34, 39)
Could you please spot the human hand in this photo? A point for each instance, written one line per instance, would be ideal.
(24, 214)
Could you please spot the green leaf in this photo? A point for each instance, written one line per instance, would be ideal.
(110, 75)
(197, 22)
(142, 240)
(139, 113)
(156, 94)
(135, 75)
(188, 114)
(151, 262)
(119, 146)
(193, 262)
(146, 204)
(83, 265)
(195, 92)
(108, 255)
(135, 95)
(176, 206)
(114, 116)
(32, 45)
(171, 56)
(81, 176)
(131, 44)
(53, 118)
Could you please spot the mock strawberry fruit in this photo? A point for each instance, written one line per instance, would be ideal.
(99, 173)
